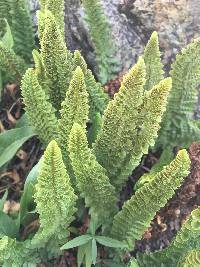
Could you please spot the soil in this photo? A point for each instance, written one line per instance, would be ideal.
(165, 224)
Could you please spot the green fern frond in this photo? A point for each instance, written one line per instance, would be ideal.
(98, 98)
(91, 178)
(133, 263)
(74, 110)
(22, 28)
(179, 127)
(154, 67)
(120, 121)
(132, 118)
(57, 9)
(152, 110)
(136, 214)
(100, 32)
(10, 62)
(40, 112)
(40, 71)
(4, 14)
(57, 60)
(55, 201)
(192, 259)
(186, 240)
(166, 157)
(14, 253)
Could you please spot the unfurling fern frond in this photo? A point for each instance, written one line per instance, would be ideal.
(14, 253)
(57, 60)
(136, 214)
(191, 259)
(57, 9)
(91, 178)
(186, 240)
(43, 117)
(179, 127)
(55, 200)
(130, 124)
(74, 109)
(100, 32)
(154, 67)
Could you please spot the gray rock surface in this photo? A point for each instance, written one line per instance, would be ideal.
(132, 21)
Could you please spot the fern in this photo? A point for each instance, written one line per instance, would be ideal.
(10, 62)
(133, 263)
(191, 259)
(22, 28)
(56, 59)
(91, 177)
(136, 214)
(57, 9)
(14, 253)
(98, 99)
(43, 117)
(74, 110)
(100, 33)
(154, 67)
(55, 200)
(179, 127)
(133, 132)
(186, 240)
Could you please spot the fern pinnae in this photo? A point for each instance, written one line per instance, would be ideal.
(56, 59)
(98, 99)
(43, 117)
(57, 9)
(91, 177)
(55, 199)
(152, 59)
(22, 28)
(192, 258)
(187, 239)
(12, 63)
(114, 141)
(136, 214)
(17, 253)
(179, 126)
(100, 31)
(74, 109)
(152, 110)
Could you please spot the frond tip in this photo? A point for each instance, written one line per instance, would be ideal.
(92, 181)
(136, 214)
(154, 67)
(43, 117)
(55, 199)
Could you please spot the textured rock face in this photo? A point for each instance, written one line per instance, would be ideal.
(132, 21)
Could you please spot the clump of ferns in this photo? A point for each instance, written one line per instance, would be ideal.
(85, 167)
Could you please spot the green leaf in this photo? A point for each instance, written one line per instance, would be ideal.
(110, 242)
(7, 39)
(11, 141)
(8, 226)
(88, 254)
(94, 251)
(3, 200)
(77, 241)
(81, 255)
(27, 197)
